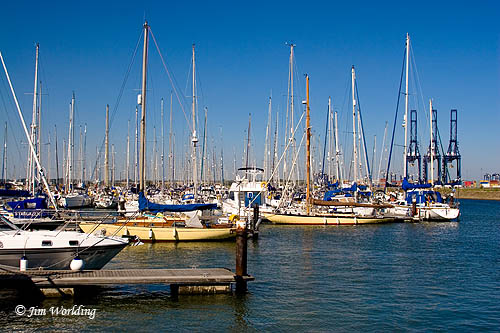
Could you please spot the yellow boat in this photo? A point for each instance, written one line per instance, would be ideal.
(160, 230)
(324, 219)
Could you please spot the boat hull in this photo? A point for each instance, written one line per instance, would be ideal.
(324, 220)
(161, 234)
(60, 258)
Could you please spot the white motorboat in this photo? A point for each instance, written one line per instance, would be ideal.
(55, 250)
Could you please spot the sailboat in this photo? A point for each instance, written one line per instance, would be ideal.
(151, 224)
(420, 199)
(307, 216)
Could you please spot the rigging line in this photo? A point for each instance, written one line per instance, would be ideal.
(171, 81)
(395, 120)
(118, 99)
(363, 131)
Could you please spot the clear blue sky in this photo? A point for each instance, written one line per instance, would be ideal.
(86, 47)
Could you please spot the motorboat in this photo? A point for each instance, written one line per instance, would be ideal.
(55, 250)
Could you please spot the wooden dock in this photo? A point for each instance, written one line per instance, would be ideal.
(196, 280)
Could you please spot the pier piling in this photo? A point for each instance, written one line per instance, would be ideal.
(241, 261)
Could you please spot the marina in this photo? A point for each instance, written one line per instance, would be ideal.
(226, 170)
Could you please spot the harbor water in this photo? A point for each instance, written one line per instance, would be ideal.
(402, 276)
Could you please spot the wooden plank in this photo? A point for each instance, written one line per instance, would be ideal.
(199, 276)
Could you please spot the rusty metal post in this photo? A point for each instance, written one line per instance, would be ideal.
(414, 207)
(241, 260)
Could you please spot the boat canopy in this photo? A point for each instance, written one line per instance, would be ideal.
(423, 197)
(406, 185)
(146, 205)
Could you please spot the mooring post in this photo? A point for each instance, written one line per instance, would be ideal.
(241, 260)
(255, 219)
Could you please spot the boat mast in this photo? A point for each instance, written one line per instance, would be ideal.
(56, 156)
(30, 179)
(170, 155)
(405, 120)
(432, 141)
(162, 157)
(248, 138)
(194, 139)
(308, 143)
(84, 162)
(39, 128)
(128, 152)
(136, 146)
(142, 161)
(337, 152)
(267, 146)
(106, 150)
(4, 159)
(355, 152)
(381, 154)
(69, 157)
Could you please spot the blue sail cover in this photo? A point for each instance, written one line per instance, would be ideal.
(407, 186)
(146, 205)
(32, 203)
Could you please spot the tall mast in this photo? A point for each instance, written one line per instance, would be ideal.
(142, 162)
(337, 152)
(162, 148)
(308, 143)
(31, 166)
(329, 134)
(432, 144)
(128, 153)
(106, 150)
(170, 156)
(136, 146)
(405, 120)
(56, 156)
(355, 151)
(39, 127)
(381, 155)
(248, 139)
(84, 161)
(4, 159)
(267, 147)
(69, 156)
(194, 139)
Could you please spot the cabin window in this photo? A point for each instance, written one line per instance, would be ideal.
(231, 195)
(46, 243)
(73, 243)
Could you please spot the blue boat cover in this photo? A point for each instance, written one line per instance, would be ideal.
(422, 197)
(146, 205)
(407, 186)
(32, 203)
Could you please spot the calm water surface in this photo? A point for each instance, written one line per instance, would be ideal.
(419, 277)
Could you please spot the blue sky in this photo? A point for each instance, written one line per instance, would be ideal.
(241, 57)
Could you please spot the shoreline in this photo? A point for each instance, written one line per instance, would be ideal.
(474, 193)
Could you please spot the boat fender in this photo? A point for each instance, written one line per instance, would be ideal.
(23, 264)
(77, 264)
(150, 233)
(263, 184)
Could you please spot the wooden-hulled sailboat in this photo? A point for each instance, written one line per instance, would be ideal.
(160, 227)
(308, 216)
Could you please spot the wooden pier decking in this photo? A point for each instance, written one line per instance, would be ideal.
(196, 280)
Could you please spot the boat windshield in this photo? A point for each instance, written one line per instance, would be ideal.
(6, 225)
